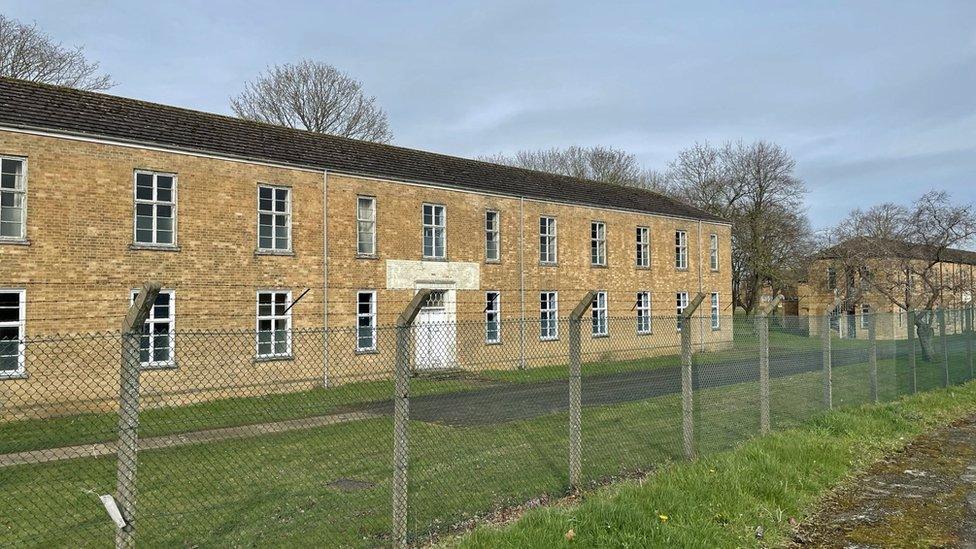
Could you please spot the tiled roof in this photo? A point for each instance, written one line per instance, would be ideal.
(868, 246)
(64, 110)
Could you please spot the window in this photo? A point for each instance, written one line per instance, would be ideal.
(13, 198)
(12, 320)
(547, 240)
(831, 278)
(643, 312)
(274, 324)
(493, 333)
(274, 218)
(157, 345)
(866, 316)
(155, 209)
(548, 315)
(435, 226)
(713, 251)
(643, 247)
(681, 249)
(682, 304)
(716, 312)
(492, 242)
(864, 274)
(366, 225)
(366, 321)
(598, 243)
(599, 309)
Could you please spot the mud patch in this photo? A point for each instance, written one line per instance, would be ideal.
(923, 495)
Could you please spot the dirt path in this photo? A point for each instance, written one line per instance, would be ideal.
(922, 496)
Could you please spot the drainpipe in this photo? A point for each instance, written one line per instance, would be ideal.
(325, 278)
(701, 328)
(522, 282)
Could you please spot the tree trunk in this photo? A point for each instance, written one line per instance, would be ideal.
(925, 333)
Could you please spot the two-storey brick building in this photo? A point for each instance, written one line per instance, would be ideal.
(262, 229)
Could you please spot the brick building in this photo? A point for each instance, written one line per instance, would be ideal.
(238, 220)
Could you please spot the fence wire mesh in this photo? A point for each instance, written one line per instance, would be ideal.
(287, 437)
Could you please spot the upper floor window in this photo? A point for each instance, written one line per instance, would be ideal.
(599, 309)
(274, 218)
(831, 278)
(492, 241)
(643, 247)
(643, 312)
(366, 321)
(158, 341)
(548, 315)
(274, 324)
(716, 312)
(155, 208)
(366, 225)
(435, 231)
(713, 251)
(493, 309)
(12, 321)
(681, 249)
(598, 243)
(547, 240)
(681, 299)
(13, 198)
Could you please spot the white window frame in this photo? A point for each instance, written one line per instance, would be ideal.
(21, 325)
(371, 223)
(643, 258)
(18, 191)
(150, 323)
(681, 303)
(716, 312)
(272, 317)
(493, 314)
(865, 312)
(681, 250)
(493, 235)
(713, 260)
(598, 243)
(436, 230)
(548, 240)
(274, 217)
(643, 307)
(600, 325)
(155, 204)
(550, 314)
(370, 316)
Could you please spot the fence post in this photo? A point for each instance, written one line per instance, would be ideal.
(969, 339)
(401, 416)
(762, 327)
(128, 445)
(945, 347)
(687, 404)
(912, 352)
(828, 389)
(873, 354)
(576, 390)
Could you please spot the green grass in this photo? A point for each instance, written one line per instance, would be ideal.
(274, 489)
(719, 500)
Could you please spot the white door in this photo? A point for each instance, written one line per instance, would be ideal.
(434, 335)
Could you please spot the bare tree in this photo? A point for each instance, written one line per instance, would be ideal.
(756, 188)
(597, 163)
(27, 53)
(901, 253)
(313, 96)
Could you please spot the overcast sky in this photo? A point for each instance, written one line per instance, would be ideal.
(877, 101)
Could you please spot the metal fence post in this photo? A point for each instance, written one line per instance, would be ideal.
(969, 339)
(687, 404)
(873, 354)
(401, 416)
(828, 389)
(576, 390)
(945, 348)
(912, 352)
(128, 445)
(762, 328)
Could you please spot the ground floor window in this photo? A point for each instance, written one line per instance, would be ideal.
(865, 316)
(158, 342)
(681, 300)
(274, 324)
(716, 312)
(12, 320)
(600, 314)
(643, 312)
(366, 321)
(548, 315)
(492, 318)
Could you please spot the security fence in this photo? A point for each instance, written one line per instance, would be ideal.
(391, 435)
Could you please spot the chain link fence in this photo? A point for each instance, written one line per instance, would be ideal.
(389, 435)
